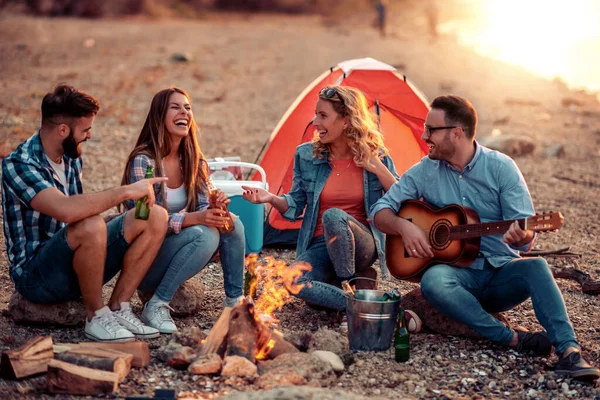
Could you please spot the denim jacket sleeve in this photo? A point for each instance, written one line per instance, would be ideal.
(296, 198)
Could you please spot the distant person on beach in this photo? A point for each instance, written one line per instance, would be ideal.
(337, 177)
(58, 245)
(458, 170)
(381, 10)
(168, 142)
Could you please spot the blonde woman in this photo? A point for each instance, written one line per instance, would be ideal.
(337, 178)
(168, 142)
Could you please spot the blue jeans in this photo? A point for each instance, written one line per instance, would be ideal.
(468, 296)
(183, 255)
(49, 276)
(346, 246)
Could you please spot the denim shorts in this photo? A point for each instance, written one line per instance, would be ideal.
(49, 276)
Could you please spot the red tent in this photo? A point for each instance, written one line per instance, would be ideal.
(401, 109)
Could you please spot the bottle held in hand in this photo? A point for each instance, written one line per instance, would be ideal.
(401, 339)
(229, 227)
(141, 208)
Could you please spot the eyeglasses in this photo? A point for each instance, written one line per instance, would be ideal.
(329, 92)
(431, 129)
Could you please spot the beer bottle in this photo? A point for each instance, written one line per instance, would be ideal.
(141, 208)
(229, 227)
(401, 339)
(250, 278)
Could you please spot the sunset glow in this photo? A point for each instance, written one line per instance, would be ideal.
(549, 37)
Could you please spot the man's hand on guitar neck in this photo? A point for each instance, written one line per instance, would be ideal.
(517, 236)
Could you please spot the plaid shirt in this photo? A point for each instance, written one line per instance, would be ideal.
(137, 172)
(25, 173)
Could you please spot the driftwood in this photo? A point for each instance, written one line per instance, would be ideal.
(67, 378)
(588, 285)
(30, 359)
(139, 350)
(564, 252)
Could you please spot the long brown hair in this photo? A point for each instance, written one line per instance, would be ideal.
(362, 134)
(154, 141)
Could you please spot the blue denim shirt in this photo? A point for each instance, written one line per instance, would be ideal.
(310, 175)
(491, 184)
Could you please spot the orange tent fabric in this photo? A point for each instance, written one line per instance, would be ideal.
(401, 109)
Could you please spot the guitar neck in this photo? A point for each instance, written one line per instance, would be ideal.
(487, 228)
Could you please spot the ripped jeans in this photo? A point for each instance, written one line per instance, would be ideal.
(346, 247)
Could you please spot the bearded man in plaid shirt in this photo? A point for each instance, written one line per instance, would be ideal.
(58, 245)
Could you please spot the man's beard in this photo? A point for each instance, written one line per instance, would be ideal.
(71, 148)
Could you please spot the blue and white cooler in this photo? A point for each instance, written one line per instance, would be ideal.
(251, 215)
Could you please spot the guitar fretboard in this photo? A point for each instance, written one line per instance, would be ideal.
(486, 228)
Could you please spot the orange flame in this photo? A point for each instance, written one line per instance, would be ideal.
(266, 349)
(278, 283)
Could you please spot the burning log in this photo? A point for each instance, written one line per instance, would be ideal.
(241, 340)
(30, 359)
(218, 334)
(64, 377)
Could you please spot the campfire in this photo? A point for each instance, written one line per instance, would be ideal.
(246, 333)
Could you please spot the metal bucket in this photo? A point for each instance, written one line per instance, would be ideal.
(371, 322)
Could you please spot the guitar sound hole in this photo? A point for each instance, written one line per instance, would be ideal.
(439, 235)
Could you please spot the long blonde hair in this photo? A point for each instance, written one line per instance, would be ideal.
(362, 133)
(154, 142)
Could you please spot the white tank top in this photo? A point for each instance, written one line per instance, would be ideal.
(176, 199)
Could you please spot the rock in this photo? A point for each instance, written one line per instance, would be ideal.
(176, 355)
(206, 365)
(295, 393)
(435, 321)
(181, 57)
(551, 384)
(308, 366)
(511, 145)
(280, 377)
(327, 339)
(191, 337)
(187, 299)
(300, 340)
(331, 358)
(238, 366)
(556, 151)
(24, 311)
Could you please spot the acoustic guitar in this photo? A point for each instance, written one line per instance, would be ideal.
(454, 233)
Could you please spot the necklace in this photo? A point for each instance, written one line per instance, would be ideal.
(343, 169)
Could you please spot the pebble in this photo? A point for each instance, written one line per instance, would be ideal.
(551, 384)
(565, 387)
(492, 385)
(499, 369)
(531, 393)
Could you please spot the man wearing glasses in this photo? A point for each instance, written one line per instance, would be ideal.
(460, 171)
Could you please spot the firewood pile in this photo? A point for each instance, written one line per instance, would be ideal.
(232, 347)
(90, 368)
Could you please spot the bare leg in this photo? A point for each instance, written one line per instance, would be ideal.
(88, 240)
(145, 238)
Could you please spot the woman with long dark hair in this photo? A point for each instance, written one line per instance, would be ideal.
(168, 142)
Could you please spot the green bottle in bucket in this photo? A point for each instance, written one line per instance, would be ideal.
(401, 339)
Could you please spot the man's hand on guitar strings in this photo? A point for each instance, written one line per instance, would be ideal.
(415, 241)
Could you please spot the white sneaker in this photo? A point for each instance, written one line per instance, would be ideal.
(128, 319)
(158, 316)
(103, 327)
